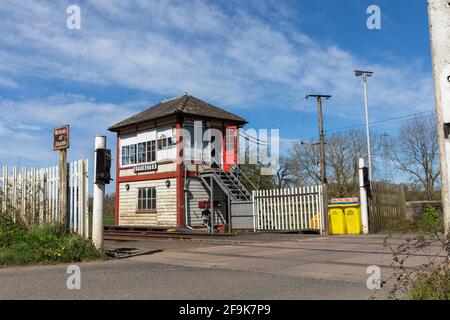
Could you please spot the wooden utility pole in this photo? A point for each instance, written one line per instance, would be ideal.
(323, 171)
(439, 16)
(61, 144)
(319, 97)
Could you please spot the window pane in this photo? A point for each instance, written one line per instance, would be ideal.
(151, 151)
(141, 153)
(133, 154)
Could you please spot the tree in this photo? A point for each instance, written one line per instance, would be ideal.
(342, 152)
(416, 153)
(283, 175)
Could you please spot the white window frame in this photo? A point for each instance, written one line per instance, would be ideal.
(148, 196)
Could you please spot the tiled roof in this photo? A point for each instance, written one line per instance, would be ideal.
(184, 105)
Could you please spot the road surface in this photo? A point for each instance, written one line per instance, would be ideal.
(269, 267)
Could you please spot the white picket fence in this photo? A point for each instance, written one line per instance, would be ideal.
(32, 195)
(289, 209)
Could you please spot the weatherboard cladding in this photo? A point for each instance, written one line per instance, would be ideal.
(184, 105)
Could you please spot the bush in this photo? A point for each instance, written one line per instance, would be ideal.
(433, 286)
(44, 244)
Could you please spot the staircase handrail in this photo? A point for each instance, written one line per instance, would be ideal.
(229, 178)
(245, 176)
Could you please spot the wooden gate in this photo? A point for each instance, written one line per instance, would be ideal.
(291, 209)
(386, 207)
(32, 195)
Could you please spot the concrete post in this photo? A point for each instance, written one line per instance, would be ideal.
(99, 198)
(363, 200)
(439, 16)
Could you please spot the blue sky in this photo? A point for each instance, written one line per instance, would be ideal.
(255, 58)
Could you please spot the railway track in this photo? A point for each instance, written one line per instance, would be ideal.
(152, 234)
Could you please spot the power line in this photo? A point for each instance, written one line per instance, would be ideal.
(406, 118)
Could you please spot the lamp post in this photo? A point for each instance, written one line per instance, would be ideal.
(365, 75)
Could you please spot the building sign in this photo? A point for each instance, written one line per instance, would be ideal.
(146, 167)
(61, 138)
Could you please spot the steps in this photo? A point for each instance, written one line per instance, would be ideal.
(229, 182)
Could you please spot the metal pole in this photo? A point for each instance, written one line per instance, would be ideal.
(99, 198)
(363, 196)
(369, 152)
(439, 15)
(212, 205)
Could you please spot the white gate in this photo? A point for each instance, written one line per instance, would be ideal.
(292, 209)
(32, 195)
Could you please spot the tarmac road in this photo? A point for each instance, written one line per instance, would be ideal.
(274, 267)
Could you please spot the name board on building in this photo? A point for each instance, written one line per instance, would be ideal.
(146, 167)
(61, 138)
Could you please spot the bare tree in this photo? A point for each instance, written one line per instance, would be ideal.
(283, 175)
(342, 152)
(416, 153)
(304, 159)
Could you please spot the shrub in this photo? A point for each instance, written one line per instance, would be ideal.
(431, 279)
(433, 286)
(44, 244)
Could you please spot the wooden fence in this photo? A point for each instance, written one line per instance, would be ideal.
(386, 207)
(32, 195)
(289, 209)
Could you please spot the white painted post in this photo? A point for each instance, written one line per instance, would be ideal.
(363, 196)
(438, 17)
(99, 198)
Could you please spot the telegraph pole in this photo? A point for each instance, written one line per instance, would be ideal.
(439, 15)
(319, 97)
(323, 172)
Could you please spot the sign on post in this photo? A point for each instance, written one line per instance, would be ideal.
(61, 138)
(61, 144)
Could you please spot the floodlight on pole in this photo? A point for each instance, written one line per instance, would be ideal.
(365, 75)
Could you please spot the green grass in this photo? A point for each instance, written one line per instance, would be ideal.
(108, 219)
(430, 222)
(434, 286)
(45, 244)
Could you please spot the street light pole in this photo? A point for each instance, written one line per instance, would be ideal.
(365, 75)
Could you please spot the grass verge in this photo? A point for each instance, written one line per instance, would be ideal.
(44, 244)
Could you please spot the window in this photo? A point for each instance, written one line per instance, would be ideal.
(125, 155)
(229, 139)
(151, 151)
(141, 153)
(165, 143)
(133, 154)
(147, 199)
(129, 155)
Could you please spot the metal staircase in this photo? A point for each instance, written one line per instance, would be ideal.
(230, 182)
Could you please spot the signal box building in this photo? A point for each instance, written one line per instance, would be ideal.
(167, 178)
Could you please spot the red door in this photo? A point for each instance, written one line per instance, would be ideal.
(230, 148)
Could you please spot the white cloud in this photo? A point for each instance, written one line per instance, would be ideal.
(167, 47)
(233, 57)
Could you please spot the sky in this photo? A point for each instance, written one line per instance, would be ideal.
(255, 58)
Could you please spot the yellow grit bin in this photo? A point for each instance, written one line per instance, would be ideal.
(345, 216)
